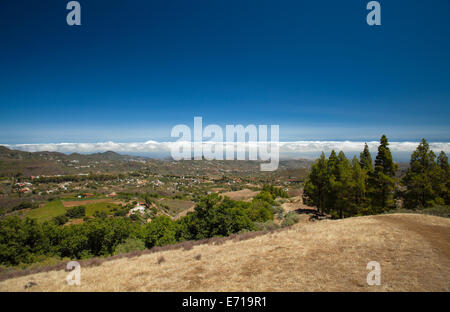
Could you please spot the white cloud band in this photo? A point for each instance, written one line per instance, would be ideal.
(287, 149)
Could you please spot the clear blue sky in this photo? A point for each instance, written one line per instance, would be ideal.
(135, 68)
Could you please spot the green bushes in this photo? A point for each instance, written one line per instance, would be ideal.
(290, 219)
(21, 241)
(25, 240)
(76, 212)
(261, 211)
(274, 191)
(25, 205)
(130, 244)
(60, 220)
(161, 231)
(213, 217)
(265, 196)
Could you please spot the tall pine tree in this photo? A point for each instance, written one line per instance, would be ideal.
(382, 179)
(443, 188)
(365, 159)
(420, 178)
(359, 187)
(316, 185)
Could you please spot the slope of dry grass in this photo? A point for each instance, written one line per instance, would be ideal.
(413, 250)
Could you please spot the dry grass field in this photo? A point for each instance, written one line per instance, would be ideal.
(331, 255)
(244, 194)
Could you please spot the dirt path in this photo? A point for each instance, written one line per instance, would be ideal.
(436, 235)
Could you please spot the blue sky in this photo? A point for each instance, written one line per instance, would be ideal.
(134, 69)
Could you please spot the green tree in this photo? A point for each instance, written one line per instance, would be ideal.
(419, 178)
(359, 186)
(365, 159)
(382, 179)
(316, 184)
(161, 231)
(21, 241)
(341, 187)
(76, 212)
(443, 178)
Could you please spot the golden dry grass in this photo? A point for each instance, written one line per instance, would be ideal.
(413, 251)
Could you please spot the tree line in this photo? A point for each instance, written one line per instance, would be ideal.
(24, 241)
(344, 188)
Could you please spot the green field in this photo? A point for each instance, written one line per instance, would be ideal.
(106, 207)
(47, 212)
(75, 198)
(56, 208)
(175, 205)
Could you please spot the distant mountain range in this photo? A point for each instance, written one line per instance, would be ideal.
(109, 155)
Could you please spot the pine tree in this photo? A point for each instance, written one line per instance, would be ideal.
(421, 179)
(342, 187)
(442, 161)
(315, 190)
(443, 178)
(332, 172)
(365, 159)
(382, 179)
(359, 187)
(332, 163)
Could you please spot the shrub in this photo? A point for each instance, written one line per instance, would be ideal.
(265, 196)
(130, 244)
(60, 220)
(290, 219)
(100, 214)
(25, 205)
(161, 260)
(76, 212)
(275, 191)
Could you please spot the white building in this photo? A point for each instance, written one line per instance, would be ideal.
(139, 208)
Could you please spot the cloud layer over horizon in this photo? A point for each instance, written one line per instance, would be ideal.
(294, 149)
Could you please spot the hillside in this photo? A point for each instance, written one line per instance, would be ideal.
(54, 163)
(15, 162)
(413, 251)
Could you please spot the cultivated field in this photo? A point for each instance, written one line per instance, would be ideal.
(56, 208)
(47, 212)
(73, 203)
(176, 206)
(331, 255)
(244, 194)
